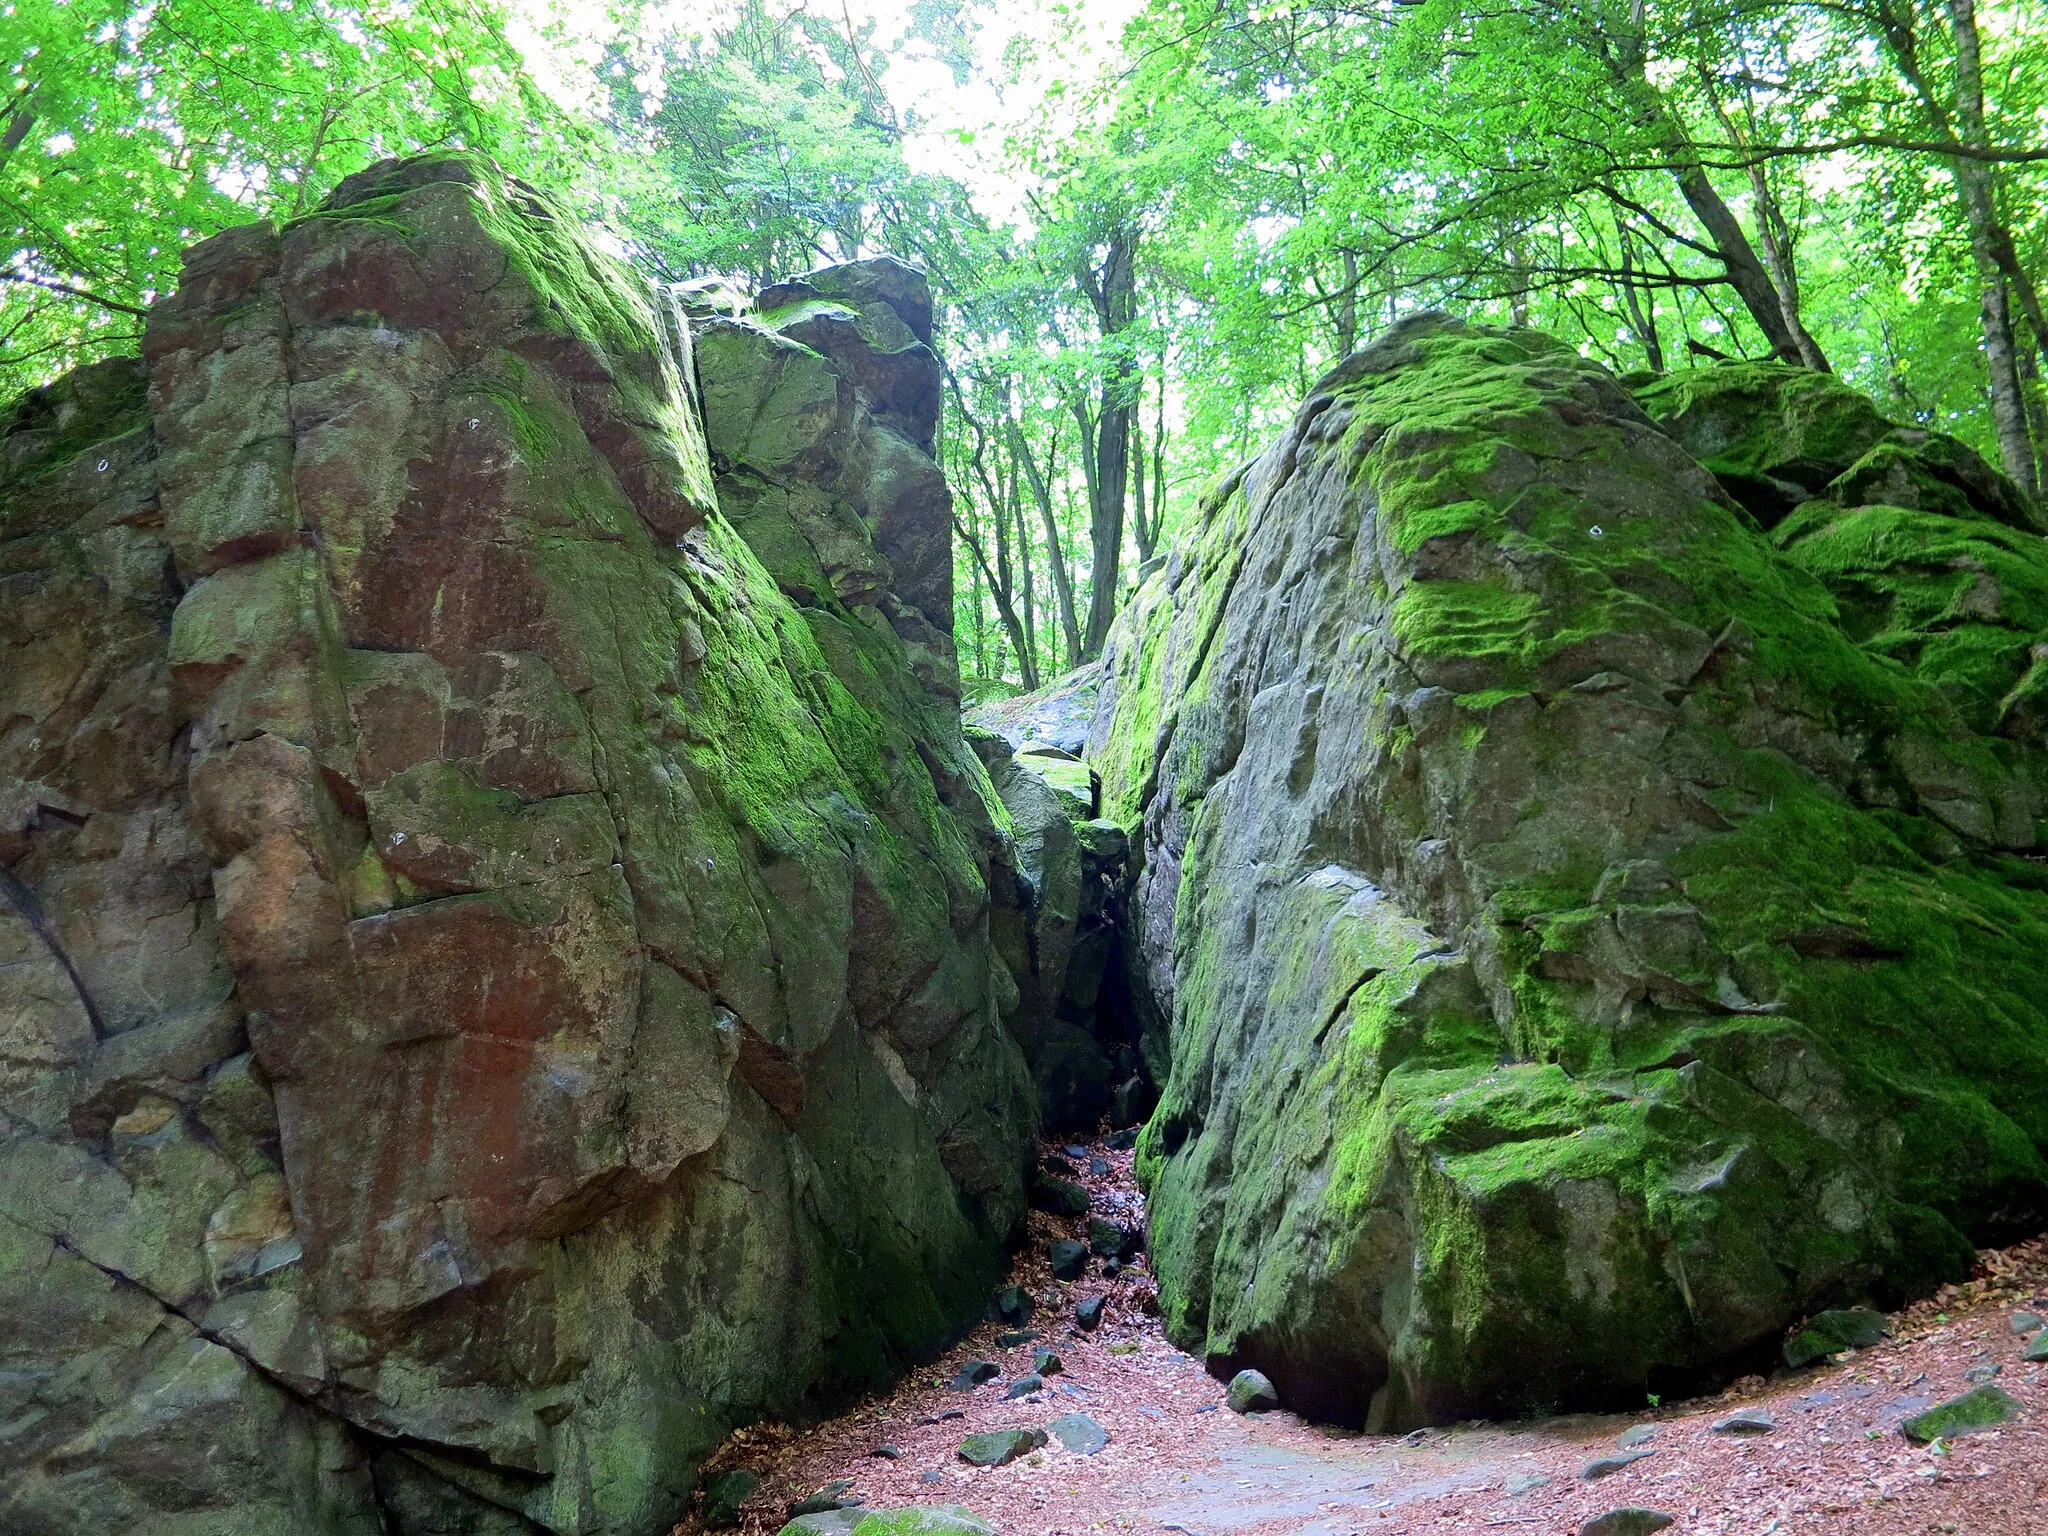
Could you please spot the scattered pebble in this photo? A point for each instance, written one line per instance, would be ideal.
(1524, 1482)
(1024, 1386)
(1045, 1362)
(1088, 1313)
(1747, 1421)
(1639, 1434)
(1607, 1466)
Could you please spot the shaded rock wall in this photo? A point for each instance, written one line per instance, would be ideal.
(1591, 930)
(1057, 920)
(495, 984)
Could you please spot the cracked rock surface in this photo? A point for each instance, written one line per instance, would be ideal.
(1594, 911)
(495, 985)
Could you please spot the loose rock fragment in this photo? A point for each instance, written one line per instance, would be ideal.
(1626, 1522)
(723, 1496)
(1045, 1362)
(999, 1447)
(1252, 1392)
(1829, 1333)
(973, 1373)
(1985, 1408)
(1079, 1433)
(826, 1499)
(1058, 1197)
(1746, 1421)
(1069, 1260)
(1088, 1312)
(1607, 1466)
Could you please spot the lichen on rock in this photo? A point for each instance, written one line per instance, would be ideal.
(1591, 930)
(501, 979)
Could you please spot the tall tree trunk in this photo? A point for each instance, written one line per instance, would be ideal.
(1055, 556)
(1346, 316)
(1642, 304)
(1139, 531)
(1114, 292)
(1746, 272)
(1994, 308)
(1027, 665)
(1158, 529)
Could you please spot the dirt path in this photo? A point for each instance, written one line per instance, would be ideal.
(1178, 1461)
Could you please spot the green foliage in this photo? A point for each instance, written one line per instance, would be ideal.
(131, 130)
(1239, 196)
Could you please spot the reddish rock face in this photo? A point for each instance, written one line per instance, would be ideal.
(541, 1012)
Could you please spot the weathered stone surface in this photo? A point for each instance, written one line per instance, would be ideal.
(1985, 1408)
(1058, 715)
(1747, 1421)
(1057, 922)
(1584, 948)
(495, 987)
(1628, 1521)
(924, 1520)
(1000, 1447)
(1079, 1433)
(1829, 1333)
(1251, 1392)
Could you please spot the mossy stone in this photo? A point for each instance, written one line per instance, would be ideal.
(1000, 1447)
(1829, 1333)
(1987, 1407)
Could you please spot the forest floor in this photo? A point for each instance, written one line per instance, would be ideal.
(1178, 1461)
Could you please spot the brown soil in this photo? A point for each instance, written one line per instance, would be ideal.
(1178, 1461)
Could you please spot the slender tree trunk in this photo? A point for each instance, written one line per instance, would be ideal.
(2029, 296)
(1027, 660)
(1347, 307)
(1994, 309)
(1746, 272)
(1138, 530)
(1642, 304)
(1114, 291)
(1158, 530)
(1056, 561)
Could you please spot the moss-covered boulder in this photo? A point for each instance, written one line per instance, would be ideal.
(497, 984)
(1585, 947)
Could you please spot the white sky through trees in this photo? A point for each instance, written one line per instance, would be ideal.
(1033, 60)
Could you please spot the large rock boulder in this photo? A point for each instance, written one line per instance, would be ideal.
(495, 984)
(1590, 934)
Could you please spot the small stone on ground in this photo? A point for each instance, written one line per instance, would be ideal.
(1252, 1392)
(999, 1447)
(1626, 1522)
(1079, 1433)
(1746, 1421)
(1985, 1408)
(1607, 1466)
